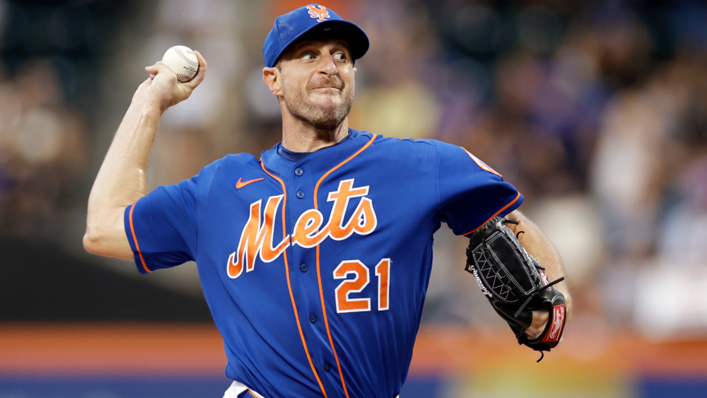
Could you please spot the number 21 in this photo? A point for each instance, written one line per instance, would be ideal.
(361, 278)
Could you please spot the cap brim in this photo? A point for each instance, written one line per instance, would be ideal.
(349, 31)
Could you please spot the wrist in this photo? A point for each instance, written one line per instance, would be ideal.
(152, 108)
(147, 101)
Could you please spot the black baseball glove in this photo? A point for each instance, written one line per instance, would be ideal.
(515, 283)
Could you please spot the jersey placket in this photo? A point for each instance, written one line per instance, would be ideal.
(303, 185)
(306, 278)
(278, 169)
(321, 196)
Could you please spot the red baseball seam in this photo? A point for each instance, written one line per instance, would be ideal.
(184, 57)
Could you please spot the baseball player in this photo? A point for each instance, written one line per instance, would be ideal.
(314, 258)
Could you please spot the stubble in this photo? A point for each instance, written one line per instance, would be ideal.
(322, 116)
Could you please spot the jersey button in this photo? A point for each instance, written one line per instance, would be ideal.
(303, 267)
(327, 367)
(299, 172)
(313, 318)
(300, 194)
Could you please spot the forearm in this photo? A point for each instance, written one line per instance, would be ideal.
(121, 180)
(543, 250)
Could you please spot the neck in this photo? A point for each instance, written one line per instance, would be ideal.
(298, 136)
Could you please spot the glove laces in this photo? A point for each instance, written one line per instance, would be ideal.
(522, 307)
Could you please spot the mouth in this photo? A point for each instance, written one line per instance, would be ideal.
(330, 85)
(326, 88)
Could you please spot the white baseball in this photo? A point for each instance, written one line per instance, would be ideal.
(183, 61)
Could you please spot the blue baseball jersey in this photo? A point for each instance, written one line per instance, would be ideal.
(316, 270)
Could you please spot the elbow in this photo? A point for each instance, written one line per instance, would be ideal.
(99, 240)
(108, 240)
(105, 234)
(91, 241)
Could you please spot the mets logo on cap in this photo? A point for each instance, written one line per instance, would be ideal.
(321, 13)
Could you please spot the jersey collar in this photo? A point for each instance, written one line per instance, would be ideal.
(317, 162)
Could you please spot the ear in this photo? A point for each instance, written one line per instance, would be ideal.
(271, 77)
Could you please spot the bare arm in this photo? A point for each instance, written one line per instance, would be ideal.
(121, 181)
(540, 247)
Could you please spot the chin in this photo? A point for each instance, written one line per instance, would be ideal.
(326, 100)
(327, 106)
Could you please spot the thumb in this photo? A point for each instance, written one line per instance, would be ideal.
(540, 319)
(151, 69)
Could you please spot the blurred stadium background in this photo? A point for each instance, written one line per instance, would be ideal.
(595, 110)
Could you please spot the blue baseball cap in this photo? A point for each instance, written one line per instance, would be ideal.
(314, 19)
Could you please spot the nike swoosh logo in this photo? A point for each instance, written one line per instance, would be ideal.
(240, 184)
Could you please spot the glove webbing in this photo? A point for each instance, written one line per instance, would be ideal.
(522, 307)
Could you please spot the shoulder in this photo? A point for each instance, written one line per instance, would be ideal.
(392, 143)
(409, 146)
(229, 162)
(407, 143)
(222, 171)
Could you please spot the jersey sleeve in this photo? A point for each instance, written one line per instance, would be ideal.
(470, 192)
(161, 227)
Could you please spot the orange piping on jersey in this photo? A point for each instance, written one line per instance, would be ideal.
(132, 229)
(289, 285)
(497, 213)
(319, 273)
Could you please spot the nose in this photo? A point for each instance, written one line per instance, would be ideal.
(328, 65)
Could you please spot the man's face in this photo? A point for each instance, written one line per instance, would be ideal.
(317, 78)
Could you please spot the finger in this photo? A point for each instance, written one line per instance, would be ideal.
(540, 317)
(163, 68)
(532, 334)
(158, 68)
(151, 69)
(200, 74)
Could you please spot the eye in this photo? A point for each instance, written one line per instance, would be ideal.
(340, 56)
(308, 56)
